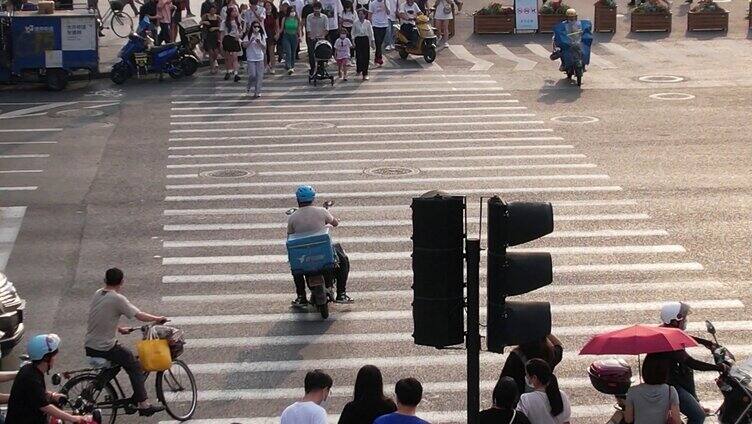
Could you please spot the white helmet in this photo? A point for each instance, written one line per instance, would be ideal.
(674, 311)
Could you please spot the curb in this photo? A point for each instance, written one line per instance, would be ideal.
(106, 74)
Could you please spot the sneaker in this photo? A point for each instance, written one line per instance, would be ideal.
(300, 301)
(388, 48)
(271, 71)
(150, 410)
(344, 79)
(227, 76)
(290, 71)
(256, 96)
(366, 78)
(561, 68)
(237, 78)
(343, 298)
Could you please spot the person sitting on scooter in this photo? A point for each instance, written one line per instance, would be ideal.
(309, 218)
(574, 30)
(408, 11)
(681, 376)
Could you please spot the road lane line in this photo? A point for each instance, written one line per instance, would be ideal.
(365, 208)
(27, 156)
(22, 171)
(26, 142)
(372, 194)
(522, 64)
(324, 95)
(369, 100)
(377, 160)
(30, 130)
(19, 188)
(462, 53)
(291, 118)
(349, 112)
(646, 267)
(360, 126)
(265, 107)
(407, 294)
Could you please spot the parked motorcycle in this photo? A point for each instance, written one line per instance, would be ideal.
(313, 256)
(424, 46)
(138, 58)
(573, 49)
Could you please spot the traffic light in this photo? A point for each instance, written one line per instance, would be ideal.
(511, 273)
(438, 269)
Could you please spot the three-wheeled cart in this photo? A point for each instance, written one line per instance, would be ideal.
(47, 48)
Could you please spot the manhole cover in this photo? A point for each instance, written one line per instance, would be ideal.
(392, 171)
(80, 113)
(575, 119)
(310, 126)
(661, 78)
(672, 96)
(226, 173)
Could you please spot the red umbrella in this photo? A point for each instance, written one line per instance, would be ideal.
(638, 339)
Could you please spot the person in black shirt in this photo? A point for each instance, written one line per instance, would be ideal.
(149, 10)
(206, 5)
(30, 402)
(368, 401)
(505, 397)
(549, 349)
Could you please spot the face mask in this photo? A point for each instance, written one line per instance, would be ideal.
(292, 14)
(255, 29)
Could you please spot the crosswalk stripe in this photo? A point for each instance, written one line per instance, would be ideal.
(538, 50)
(324, 95)
(601, 62)
(372, 194)
(409, 96)
(26, 142)
(522, 64)
(339, 183)
(622, 51)
(391, 125)
(359, 112)
(340, 105)
(294, 86)
(366, 143)
(18, 188)
(26, 156)
(399, 239)
(22, 171)
(386, 315)
(6, 130)
(383, 256)
(478, 64)
(380, 160)
(364, 208)
(10, 224)
(384, 294)
(292, 117)
(646, 267)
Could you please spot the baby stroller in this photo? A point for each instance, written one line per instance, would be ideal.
(322, 52)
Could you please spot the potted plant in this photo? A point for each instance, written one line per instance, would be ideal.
(494, 19)
(551, 13)
(605, 16)
(651, 16)
(707, 16)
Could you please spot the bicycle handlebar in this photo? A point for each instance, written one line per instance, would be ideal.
(144, 328)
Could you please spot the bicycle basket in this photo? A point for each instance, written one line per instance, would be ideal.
(116, 5)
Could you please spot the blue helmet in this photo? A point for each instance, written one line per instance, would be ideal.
(41, 345)
(305, 194)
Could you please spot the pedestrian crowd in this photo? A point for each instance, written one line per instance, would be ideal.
(267, 34)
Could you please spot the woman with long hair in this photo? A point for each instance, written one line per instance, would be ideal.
(231, 43)
(548, 348)
(210, 22)
(505, 397)
(254, 42)
(368, 401)
(546, 404)
(290, 29)
(271, 28)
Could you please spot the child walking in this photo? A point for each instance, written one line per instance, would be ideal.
(342, 53)
(255, 49)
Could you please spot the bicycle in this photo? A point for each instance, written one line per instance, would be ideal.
(121, 23)
(98, 388)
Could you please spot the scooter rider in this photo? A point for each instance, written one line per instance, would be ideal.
(309, 218)
(407, 13)
(681, 376)
(574, 30)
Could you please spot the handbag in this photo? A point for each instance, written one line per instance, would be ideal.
(230, 44)
(153, 352)
(668, 411)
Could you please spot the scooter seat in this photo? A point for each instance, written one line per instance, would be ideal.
(98, 362)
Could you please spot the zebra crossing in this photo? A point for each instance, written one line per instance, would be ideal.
(230, 172)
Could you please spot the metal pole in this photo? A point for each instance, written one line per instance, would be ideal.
(472, 341)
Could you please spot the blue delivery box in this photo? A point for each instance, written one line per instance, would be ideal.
(310, 252)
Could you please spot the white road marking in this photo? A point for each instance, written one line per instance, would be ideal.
(622, 51)
(522, 64)
(406, 125)
(343, 105)
(647, 267)
(486, 191)
(478, 64)
(30, 130)
(407, 294)
(324, 95)
(28, 156)
(398, 239)
(364, 143)
(410, 98)
(295, 87)
(408, 314)
(290, 117)
(34, 110)
(11, 219)
(365, 208)
(102, 105)
(393, 181)
(601, 62)
(538, 50)
(19, 188)
(377, 160)
(22, 171)
(27, 142)
(359, 112)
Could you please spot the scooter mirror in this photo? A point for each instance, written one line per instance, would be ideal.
(710, 327)
(290, 211)
(328, 204)
(56, 379)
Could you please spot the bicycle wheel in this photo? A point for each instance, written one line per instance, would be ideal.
(176, 389)
(121, 24)
(83, 398)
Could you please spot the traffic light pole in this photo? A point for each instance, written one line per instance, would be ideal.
(472, 341)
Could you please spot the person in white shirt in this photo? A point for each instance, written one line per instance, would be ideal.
(332, 9)
(444, 13)
(342, 48)
(362, 35)
(546, 404)
(379, 17)
(255, 13)
(393, 19)
(308, 410)
(408, 11)
(254, 42)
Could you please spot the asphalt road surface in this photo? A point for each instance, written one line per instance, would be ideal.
(184, 185)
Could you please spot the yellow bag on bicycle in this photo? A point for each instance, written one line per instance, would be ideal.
(153, 353)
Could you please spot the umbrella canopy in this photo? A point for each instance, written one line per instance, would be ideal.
(638, 339)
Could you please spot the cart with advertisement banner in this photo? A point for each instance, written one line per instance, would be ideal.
(47, 48)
